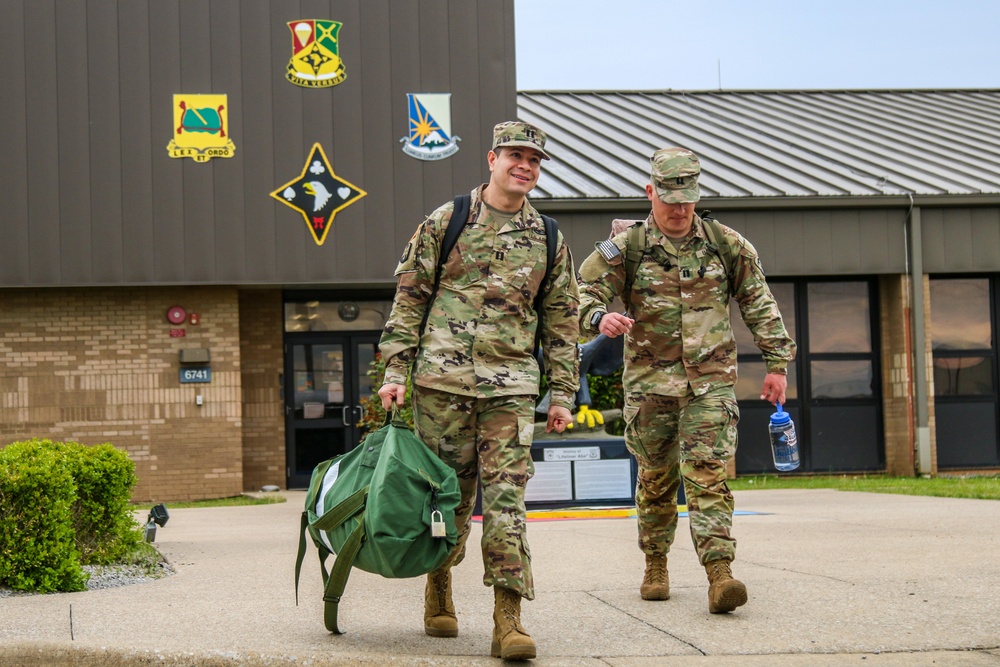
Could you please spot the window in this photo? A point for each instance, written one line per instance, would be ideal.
(962, 337)
(752, 368)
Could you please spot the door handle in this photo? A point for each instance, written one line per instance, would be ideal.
(343, 415)
(361, 413)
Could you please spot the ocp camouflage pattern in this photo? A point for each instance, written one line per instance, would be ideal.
(487, 441)
(682, 340)
(692, 439)
(481, 328)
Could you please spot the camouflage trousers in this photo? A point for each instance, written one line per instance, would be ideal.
(689, 439)
(489, 440)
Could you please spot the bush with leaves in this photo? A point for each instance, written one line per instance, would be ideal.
(372, 413)
(63, 505)
(37, 495)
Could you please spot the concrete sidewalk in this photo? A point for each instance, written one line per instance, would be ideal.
(834, 579)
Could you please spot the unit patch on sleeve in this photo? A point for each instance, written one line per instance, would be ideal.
(315, 61)
(430, 135)
(318, 194)
(200, 128)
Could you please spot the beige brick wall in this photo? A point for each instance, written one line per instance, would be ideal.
(261, 325)
(898, 386)
(99, 365)
(897, 375)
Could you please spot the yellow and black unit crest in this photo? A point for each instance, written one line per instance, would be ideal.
(315, 61)
(318, 194)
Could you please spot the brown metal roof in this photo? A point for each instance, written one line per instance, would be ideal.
(772, 143)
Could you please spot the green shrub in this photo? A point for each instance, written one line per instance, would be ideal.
(37, 494)
(69, 503)
(372, 414)
(106, 528)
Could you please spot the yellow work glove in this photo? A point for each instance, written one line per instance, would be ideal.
(588, 416)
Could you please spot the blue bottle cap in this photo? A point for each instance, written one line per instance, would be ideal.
(780, 416)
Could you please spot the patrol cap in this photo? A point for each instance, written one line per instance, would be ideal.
(516, 133)
(674, 175)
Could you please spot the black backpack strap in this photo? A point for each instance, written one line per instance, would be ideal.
(551, 249)
(459, 218)
(635, 248)
(718, 243)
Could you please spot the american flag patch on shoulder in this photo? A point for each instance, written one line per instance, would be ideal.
(609, 250)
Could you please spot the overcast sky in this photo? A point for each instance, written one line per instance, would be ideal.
(757, 44)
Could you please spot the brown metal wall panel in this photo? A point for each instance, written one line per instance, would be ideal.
(229, 209)
(290, 147)
(343, 260)
(197, 42)
(90, 112)
(43, 149)
(255, 147)
(961, 240)
(407, 186)
(138, 230)
(13, 147)
(168, 189)
(469, 164)
(74, 144)
(381, 119)
(105, 137)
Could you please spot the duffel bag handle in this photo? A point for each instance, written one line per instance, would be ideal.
(395, 418)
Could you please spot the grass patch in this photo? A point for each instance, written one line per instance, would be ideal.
(983, 488)
(232, 501)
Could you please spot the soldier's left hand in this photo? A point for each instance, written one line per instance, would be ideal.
(775, 385)
(559, 418)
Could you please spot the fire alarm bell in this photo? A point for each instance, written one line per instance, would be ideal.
(176, 315)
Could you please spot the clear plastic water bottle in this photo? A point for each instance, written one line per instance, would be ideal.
(784, 443)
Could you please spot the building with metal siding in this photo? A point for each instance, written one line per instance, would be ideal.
(104, 233)
(861, 203)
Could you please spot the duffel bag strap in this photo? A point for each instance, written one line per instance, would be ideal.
(338, 577)
(395, 418)
(347, 508)
(303, 526)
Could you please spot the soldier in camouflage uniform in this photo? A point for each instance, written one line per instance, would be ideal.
(475, 377)
(680, 368)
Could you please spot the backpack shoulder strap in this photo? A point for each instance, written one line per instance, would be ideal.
(551, 249)
(720, 245)
(459, 218)
(635, 248)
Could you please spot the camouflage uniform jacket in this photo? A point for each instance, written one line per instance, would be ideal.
(682, 342)
(481, 328)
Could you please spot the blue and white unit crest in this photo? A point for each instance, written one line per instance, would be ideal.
(430, 135)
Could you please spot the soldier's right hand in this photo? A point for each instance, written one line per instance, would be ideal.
(392, 392)
(615, 324)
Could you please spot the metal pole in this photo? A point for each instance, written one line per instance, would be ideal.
(923, 443)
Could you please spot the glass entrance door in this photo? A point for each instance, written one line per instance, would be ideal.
(326, 374)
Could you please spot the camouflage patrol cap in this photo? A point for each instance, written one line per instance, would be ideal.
(516, 133)
(674, 175)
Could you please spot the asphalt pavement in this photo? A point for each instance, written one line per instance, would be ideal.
(834, 579)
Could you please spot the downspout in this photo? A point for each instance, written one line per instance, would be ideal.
(917, 330)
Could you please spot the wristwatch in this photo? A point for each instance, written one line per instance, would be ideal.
(595, 320)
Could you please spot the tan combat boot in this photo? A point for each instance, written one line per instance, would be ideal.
(724, 592)
(510, 640)
(439, 610)
(656, 583)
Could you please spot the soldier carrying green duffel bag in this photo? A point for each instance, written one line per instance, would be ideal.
(387, 507)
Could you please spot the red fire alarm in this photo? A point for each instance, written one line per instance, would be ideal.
(176, 315)
(193, 319)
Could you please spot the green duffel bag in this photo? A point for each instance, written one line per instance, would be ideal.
(387, 507)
